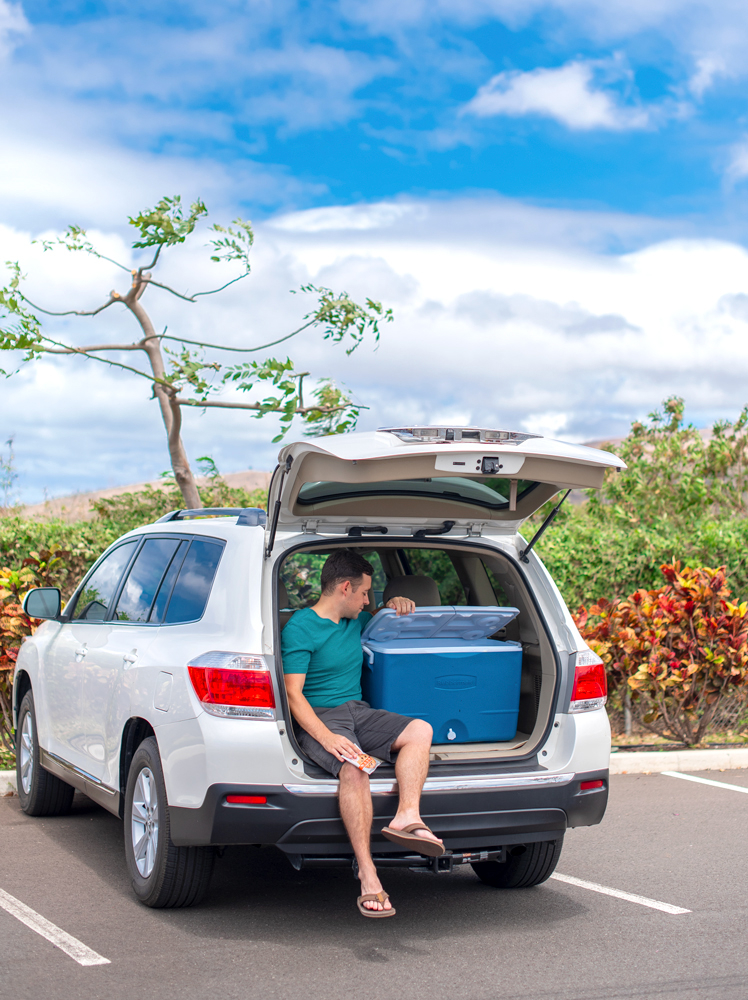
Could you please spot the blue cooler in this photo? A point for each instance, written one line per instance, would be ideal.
(437, 664)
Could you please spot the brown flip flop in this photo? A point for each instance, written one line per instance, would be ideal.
(375, 897)
(406, 838)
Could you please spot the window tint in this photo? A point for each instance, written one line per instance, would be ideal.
(167, 584)
(146, 574)
(94, 600)
(193, 584)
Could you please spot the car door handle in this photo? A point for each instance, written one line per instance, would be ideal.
(130, 658)
(80, 653)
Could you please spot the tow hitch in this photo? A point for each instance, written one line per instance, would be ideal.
(415, 862)
(448, 860)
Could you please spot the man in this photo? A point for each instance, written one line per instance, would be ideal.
(322, 662)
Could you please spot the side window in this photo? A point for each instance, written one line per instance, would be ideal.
(502, 598)
(192, 588)
(167, 584)
(435, 563)
(300, 575)
(147, 572)
(99, 589)
(378, 579)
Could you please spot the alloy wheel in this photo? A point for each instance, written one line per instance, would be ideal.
(144, 820)
(26, 753)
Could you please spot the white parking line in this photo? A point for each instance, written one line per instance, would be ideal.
(630, 897)
(705, 781)
(78, 951)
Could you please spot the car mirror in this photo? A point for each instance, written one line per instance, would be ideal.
(43, 602)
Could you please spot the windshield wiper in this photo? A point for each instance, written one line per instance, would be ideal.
(551, 517)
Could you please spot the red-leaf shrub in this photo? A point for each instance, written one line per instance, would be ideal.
(681, 649)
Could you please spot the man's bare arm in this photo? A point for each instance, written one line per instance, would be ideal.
(308, 719)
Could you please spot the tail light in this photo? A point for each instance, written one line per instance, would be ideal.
(247, 800)
(588, 786)
(233, 685)
(590, 683)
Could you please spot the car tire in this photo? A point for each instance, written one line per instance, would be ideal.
(525, 865)
(40, 793)
(163, 875)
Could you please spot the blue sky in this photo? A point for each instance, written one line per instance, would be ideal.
(581, 138)
(633, 106)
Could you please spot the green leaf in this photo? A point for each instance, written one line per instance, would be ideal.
(340, 317)
(166, 224)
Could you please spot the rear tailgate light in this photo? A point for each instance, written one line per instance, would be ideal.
(590, 683)
(233, 685)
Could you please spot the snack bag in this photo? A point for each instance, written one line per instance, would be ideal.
(363, 761)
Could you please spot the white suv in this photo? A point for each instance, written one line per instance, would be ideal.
(158, 691)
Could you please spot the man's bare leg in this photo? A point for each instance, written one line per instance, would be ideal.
(411, 768)
(357, 811)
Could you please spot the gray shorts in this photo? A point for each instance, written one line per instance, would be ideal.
(372, 729)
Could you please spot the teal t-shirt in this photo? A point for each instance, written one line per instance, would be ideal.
(330, 655)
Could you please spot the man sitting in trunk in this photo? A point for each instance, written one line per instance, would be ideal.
(322, 663)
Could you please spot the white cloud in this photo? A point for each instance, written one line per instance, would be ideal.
(737, 164)
(567, 94)
(506, 315)
(708, 68)
(13, 24)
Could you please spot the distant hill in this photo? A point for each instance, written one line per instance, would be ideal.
(77, 507)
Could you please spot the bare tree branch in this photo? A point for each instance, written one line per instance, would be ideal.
(214, 290)
(71, 312)
(261, 406)
(191, 298)
(105, 361)
(240, 350)
(149, 267)
(95, 347)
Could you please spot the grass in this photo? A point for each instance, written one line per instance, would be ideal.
(7, 760)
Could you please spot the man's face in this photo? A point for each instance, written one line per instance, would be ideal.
(355, 596)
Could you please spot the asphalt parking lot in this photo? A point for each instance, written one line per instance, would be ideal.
(268, 931)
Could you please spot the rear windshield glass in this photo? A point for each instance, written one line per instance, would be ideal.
(481, 491)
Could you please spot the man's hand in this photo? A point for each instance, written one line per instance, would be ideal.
(338, 745)
(402, 605)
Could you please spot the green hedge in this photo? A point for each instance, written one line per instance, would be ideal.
(590, 559)
(84, 541)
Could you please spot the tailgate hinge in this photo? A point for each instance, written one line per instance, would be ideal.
(475, 530)
(309, 527)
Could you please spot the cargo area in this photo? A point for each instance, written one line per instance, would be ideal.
(478, 664)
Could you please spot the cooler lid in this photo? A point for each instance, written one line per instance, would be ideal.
(443, 622)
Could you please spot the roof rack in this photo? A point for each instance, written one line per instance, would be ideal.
(443, 435)
(247, 517)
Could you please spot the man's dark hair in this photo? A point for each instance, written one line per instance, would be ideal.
(344, 564)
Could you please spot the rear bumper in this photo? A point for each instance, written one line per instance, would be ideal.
(304, 819)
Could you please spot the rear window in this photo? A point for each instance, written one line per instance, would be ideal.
(481, 491)
(194, 581)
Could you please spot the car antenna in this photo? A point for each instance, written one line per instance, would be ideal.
(548, 521)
